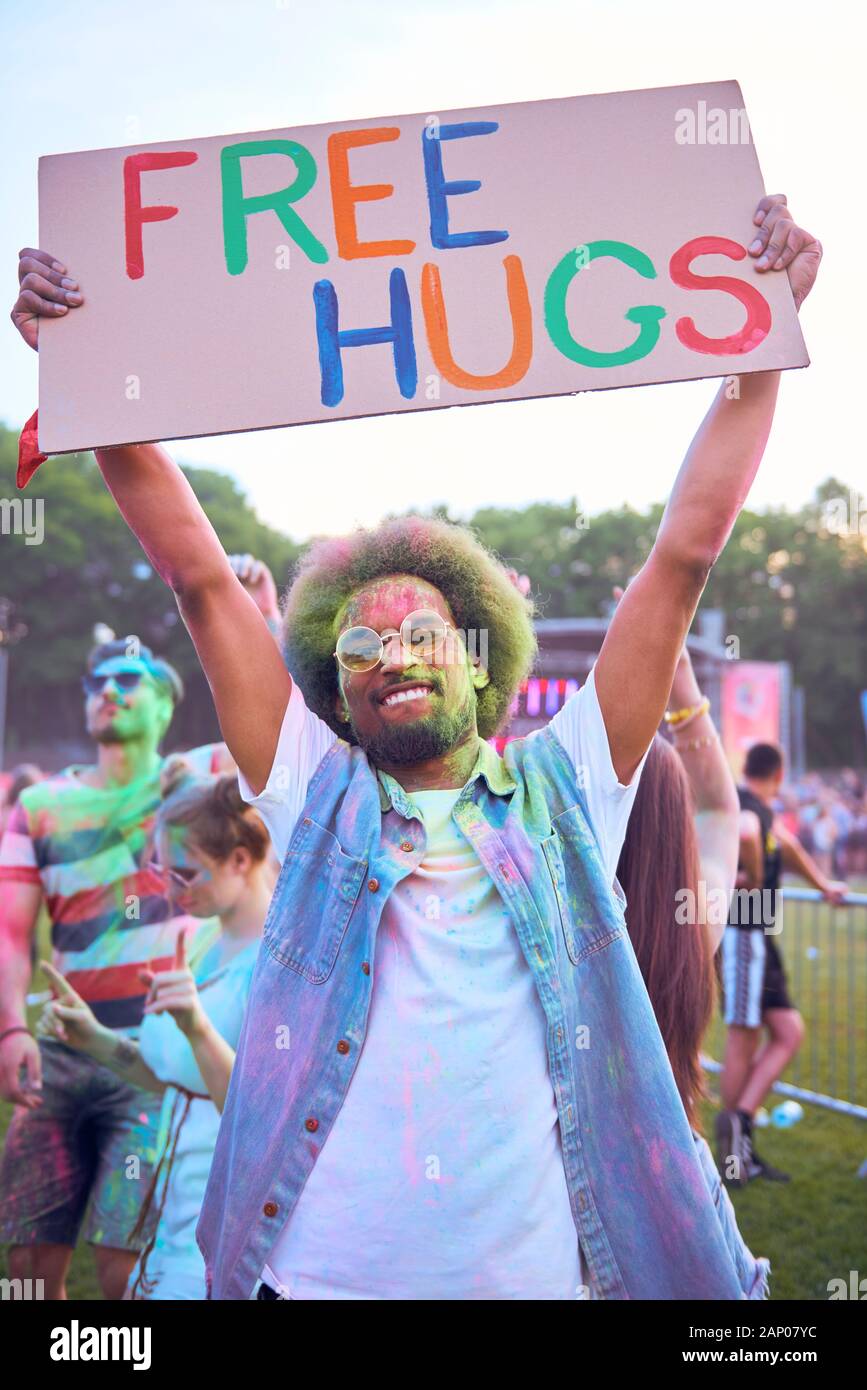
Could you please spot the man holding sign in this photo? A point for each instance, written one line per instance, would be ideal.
(450, 1082)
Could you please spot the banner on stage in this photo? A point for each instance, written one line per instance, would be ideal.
(406, 263)
(752, 697)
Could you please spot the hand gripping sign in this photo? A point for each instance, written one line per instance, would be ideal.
(543, 248)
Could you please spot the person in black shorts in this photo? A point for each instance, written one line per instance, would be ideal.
(753, 978)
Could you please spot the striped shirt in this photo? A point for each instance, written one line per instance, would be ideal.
(87, 848)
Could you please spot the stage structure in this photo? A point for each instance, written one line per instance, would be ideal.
(568, 648)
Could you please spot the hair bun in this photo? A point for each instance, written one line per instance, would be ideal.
(214, 815)
(175, 771)
(227, 794)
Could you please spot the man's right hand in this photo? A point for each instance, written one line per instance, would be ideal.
(46, 290)
(19, 1052)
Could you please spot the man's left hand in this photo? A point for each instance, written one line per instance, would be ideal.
(780, 244)
(835, 892)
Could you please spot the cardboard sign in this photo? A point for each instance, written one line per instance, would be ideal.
(407, 263)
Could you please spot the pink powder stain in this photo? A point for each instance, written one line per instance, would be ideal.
(343, 547)
(657, 1155)
(661, 1157)
(408, 1137)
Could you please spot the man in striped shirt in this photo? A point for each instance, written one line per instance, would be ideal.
(81, 1140)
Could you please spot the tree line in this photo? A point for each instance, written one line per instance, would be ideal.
(792, 585)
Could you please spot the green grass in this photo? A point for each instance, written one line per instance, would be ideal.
(814, 1228)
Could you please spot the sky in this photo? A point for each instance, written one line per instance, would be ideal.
(76, 77)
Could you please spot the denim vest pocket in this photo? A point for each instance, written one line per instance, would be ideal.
(550, 847)
(305, 931)
(569, 851)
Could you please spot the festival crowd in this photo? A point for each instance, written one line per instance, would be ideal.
(351, 1006)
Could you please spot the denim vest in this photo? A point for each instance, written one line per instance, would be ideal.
(644, 1216)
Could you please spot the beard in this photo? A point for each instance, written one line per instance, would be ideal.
(402, 745)
(108, 734)
(113, 730)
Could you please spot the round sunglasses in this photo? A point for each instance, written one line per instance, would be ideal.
(183, 877)
(423, 633)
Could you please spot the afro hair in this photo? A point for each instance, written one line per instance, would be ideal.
(475, 584)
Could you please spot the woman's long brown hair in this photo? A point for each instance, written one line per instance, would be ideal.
(658, 861)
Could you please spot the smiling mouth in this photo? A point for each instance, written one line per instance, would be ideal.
(405, 694)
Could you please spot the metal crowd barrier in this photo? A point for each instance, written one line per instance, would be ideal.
(825, 955)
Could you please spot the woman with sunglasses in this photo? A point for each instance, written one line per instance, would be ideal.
(212, 852)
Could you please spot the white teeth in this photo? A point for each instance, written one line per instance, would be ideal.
(399, 697)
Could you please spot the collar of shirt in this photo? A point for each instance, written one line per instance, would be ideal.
(489, 765)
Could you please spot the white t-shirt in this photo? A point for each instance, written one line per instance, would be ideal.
(442, 1177)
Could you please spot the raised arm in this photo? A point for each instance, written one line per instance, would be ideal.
(215, 1059)
(637, 662)
(244, 668)
(245, 671)
(714, 794)
(175, 992)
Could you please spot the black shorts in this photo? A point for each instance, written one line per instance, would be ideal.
(64, 1164)
(753, 976)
